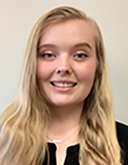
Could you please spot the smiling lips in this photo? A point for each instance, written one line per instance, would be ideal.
(63, 84)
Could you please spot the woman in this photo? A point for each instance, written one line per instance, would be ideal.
(63, 112)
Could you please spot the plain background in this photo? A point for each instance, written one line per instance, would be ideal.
(17, 18)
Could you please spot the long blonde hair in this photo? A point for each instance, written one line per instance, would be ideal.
(23, 124)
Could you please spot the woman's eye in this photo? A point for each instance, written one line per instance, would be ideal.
(49, 56)
(80, 55)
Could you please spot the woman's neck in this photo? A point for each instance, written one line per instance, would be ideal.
(64, 119)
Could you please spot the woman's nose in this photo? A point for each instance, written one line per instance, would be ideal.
(64, 66)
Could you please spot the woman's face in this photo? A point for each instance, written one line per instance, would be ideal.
(66, 63)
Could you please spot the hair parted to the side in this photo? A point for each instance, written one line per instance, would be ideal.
(23, 124)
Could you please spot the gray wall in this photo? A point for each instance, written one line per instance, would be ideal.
(17, 19)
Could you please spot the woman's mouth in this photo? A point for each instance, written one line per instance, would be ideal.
(63, 84)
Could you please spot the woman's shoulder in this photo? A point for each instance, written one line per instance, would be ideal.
(122, 132)
(122, 136)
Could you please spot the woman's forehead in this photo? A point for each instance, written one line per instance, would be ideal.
(68, 32)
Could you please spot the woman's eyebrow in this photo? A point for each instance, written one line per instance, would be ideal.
(46, 46)
(84, 44)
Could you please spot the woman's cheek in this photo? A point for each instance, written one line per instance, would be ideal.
(42, 70)
(87, 72)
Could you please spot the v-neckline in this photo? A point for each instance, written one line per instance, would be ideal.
(71, 152)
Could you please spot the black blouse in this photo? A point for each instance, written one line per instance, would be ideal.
(73, 151)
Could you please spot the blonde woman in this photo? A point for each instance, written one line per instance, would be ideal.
(63, 112)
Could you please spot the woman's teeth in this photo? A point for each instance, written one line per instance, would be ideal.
(63, 85)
